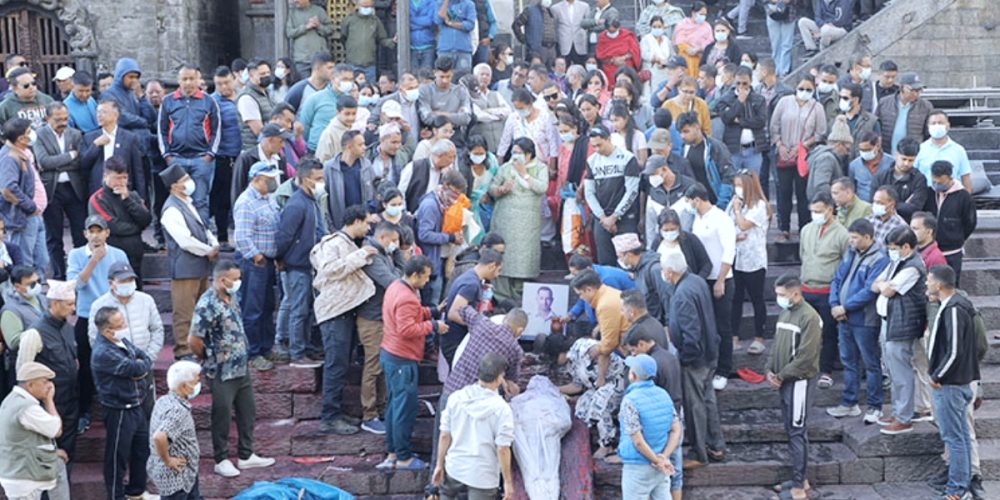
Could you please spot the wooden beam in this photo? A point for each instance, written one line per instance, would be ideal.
(280, 40)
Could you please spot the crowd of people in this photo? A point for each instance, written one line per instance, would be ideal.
(384, 218)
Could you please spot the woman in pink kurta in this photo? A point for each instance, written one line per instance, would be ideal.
(692, 35)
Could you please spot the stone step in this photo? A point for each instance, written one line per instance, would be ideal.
(886, 491)
(766, 426)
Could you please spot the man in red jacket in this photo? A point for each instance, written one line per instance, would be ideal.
(406, 323)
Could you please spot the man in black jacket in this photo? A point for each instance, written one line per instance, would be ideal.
(645, 267)
(124, 211)
(956, 213)
(909, 183)
(111, 140)
(744, 113)
(952, 365)
(693, 325)
(57, 150)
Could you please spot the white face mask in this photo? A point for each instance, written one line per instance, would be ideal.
(245, 76)
(526, 112)
(567, 136)
(878, 209)
(125, 289)
(819, 217)
(784, 302)
(345, 87)
(120, 335)
(670, 235)
(613, 35)
(656, 180)
(391, 248)
(189, 187)
(510, 60)
(623, 265)
(319, 189)
(721, 36)
(844, 106)
(868, 155)
(280, 72)
(477, 159)
(35, 290)
(937, 131)
(739, 192)
(235, 288)
(804, 95)
(517, 158)
(718, 80)
(32, 137)
(394, 210)
(195, 391)
(591, 67)
(894, 255)
(699, 18)
(412, 94)
(826, 88)
(546, 3)
(365, 11)
(865, 73)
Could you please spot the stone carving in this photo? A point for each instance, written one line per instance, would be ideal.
(76, 23)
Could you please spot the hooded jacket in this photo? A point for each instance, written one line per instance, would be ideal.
(130, 112)
(479, 421)
(956, 214)
(824, 168)
(951, 346)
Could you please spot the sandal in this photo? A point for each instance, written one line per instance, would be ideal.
(787, 495)
(788, 485)
(825, 382)
(387, 464)
(415, 464)
(756, 348)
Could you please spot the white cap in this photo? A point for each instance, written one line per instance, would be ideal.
(392, 109)
(64, 73)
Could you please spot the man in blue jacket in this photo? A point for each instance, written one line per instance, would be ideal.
(122, 91)
(188, 130)
(120, 368)
(423, 15)
(833, 19)
(456, 20)
(852, 304)
(299, 229)
(81, 104)
(230, 144)
(16, 178)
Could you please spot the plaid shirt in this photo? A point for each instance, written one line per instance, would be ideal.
(485, 337)
(256, 217)
(883, 228)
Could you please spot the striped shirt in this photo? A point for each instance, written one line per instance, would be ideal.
(256, 217)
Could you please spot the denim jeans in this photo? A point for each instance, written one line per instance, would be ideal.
(298, 299)
(31, 240)
(642, 481)
(782, 35)
(950, 403)
(337, 344)
(257, 305)
(742, 13)
(748, 158)
(401, 410)
(898, 356)
(421, 58)
(463, 60)
(482, 54)
(860, 343)
(369, 72)
(202, 173)
(677, 460)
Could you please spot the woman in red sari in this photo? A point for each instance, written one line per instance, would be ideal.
(617, 47)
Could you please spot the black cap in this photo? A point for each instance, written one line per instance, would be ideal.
(96, 220)
(598, 131)
(676, 62)
(121, 271)
(172, 174)
(273, 130)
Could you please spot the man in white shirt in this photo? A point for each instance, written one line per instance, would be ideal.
(191, 249)
(111, 140)
(29, 424)
(718, 234)
(476, 418)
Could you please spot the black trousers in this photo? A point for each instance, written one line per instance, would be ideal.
(159, 193)
(604, 249)
(126, 447)
(829, 354)
(751, 284)
(63, 204)
(789, 181)
(766, 164)
(724, 310)
(219, 204)
(575, 58)
(955, 262)
(86, 378)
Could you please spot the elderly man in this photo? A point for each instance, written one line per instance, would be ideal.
(217, 338)
(423, 176)
(33, 464)
(693, 327)
(385, 155)
(145, 327)
(50, 342)
(24, 100)
(189, 130)
(430, 237)
(173, 465)
(57, 150)
(120, 373)
(191, 247)
(645, 267)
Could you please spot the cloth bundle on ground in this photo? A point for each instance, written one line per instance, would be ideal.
(541, 419)
(293, 488)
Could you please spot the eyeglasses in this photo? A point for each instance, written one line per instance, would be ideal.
(27, 85)
(23, 64)
(551, 97)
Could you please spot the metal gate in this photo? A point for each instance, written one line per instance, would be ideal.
(38, 37)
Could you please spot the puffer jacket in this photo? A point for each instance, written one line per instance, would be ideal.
(340, 277)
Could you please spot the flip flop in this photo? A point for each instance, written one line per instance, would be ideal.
(825, 382)
(387, 464)
(787, 485)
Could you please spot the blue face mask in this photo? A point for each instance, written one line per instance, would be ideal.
(939, 187)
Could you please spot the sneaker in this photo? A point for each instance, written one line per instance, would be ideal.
(226, 468)
(825, 381)
(897, 428)
(277, 356)
(255, 462)
(886, 420)
(922, 416)
(374, 426)
(872, 416)
(305, 362)
(337, 427)
(355, 421)
(841, 411)
(976, 488)
(261, 364)
(719, 382)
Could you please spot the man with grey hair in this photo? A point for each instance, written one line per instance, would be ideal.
(692, 324)
(173, 463)
(574, 81)
(423, 176)
(384, 155)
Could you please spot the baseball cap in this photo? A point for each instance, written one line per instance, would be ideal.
(643, 365)
(659, 139)
(261, 168)
(598, 131)
(64, 73)
(273, 130)
(911, 80)
(654, 163)
(676, 62)
(392, 109)
(96, 220)
(121, 271)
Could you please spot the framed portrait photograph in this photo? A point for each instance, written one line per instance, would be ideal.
(543, 302)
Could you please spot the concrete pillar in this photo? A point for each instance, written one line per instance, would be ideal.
(402, 36)
(280, 40)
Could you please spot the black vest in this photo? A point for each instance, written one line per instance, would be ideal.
(907, 314)
(418, 184)
(59, 354)
(183, 264)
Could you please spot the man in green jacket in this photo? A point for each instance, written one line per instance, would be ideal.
(361, 32)
(308, 26)
(791, 368)
(850, 207)
(24, 100)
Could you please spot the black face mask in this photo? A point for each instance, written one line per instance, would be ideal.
(265, 81)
